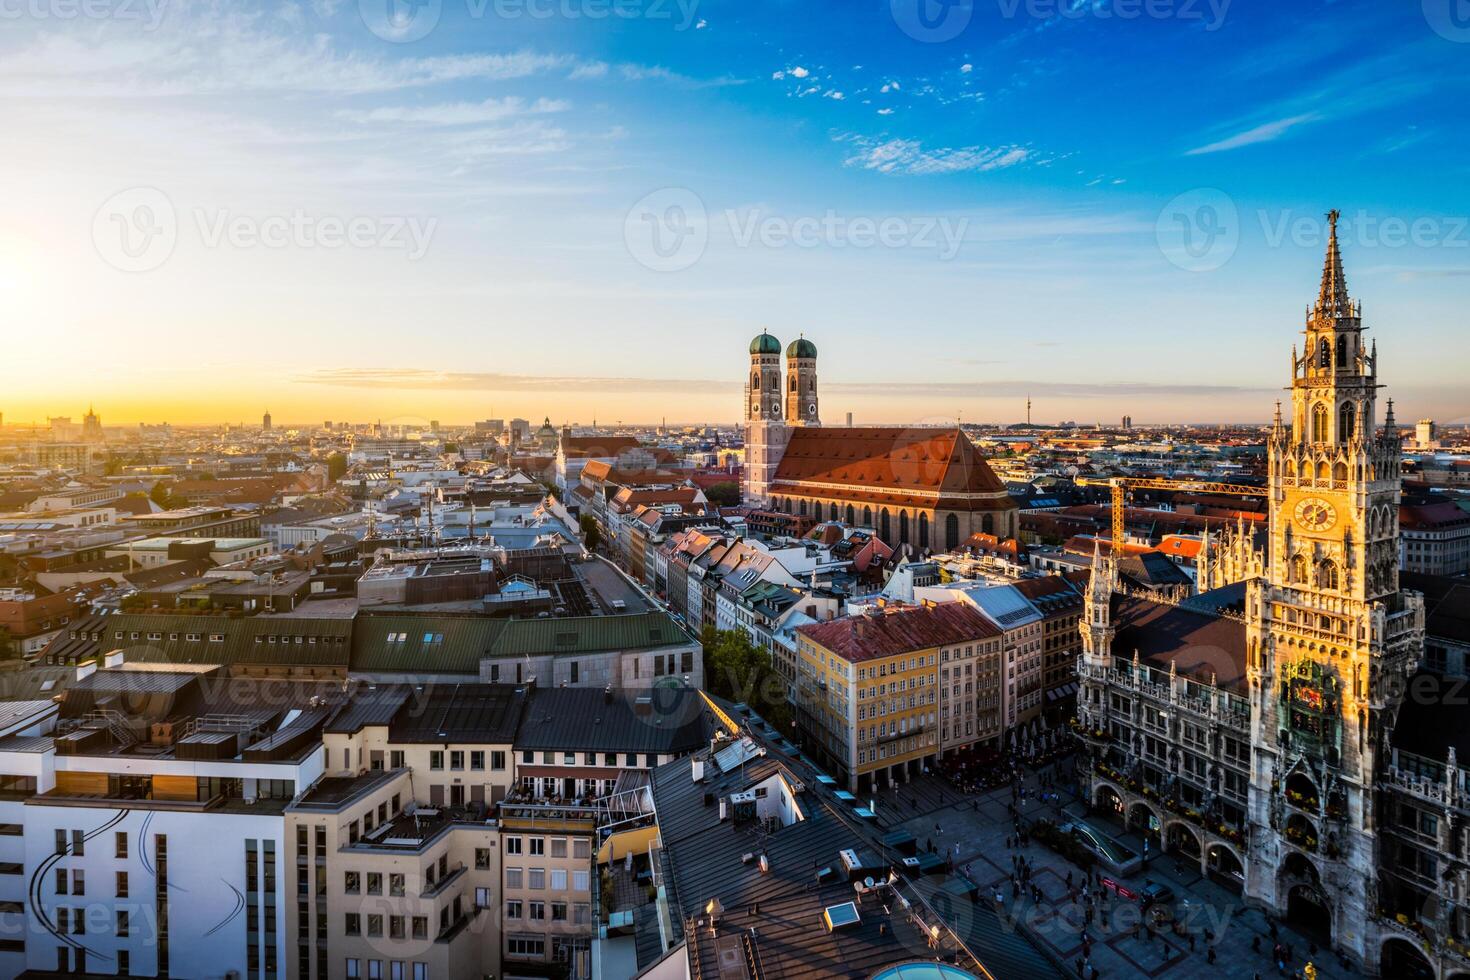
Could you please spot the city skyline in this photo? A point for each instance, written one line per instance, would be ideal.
(544, 207)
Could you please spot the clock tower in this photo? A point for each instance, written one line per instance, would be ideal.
(765, 426)
(1330, 638)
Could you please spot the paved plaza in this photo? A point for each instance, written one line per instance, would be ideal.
(975, 831)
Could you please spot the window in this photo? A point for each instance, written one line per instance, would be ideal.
(78, 845)
(352, 969)
(395, 970)
(436, 759)
(580, 881)
(375, 883)
(352, 882)
(61, 881)
(497, 761)
(477, 761)
(395, 761)
(375, 970)
(513, 845)
(456, 759)
(482, 898)
(513, 909)
(558, 880)
(558, 847)
(395, 885)
(353, 924)
(421, 971)
(537, 879)
(78, 883)
(122, 884)
(581, 848)
(558, 911)
(420, 926)
(121, 841)
(514, 878)
(482, 858)
(538, 911)
(395, 927)
(375, 925)
(122, 923)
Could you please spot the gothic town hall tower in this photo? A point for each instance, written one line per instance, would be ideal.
(1330, 638)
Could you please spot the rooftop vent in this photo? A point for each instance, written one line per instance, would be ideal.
(843, 916)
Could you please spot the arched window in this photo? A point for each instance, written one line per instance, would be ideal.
(923, 530)
(951, 532)
(1341, 353)
(1345, 419)
(1322, 471)
(1339, 473)
(987, 524)
(775, 383)
(802, 508)
(1327, 575)
(885, 529)
(903, 527)
(792, 386)
(755, 382)
(1324, 354)
(832, 512)
(1299, 570)
(851, 517)
(1319, 423)
(867, 517)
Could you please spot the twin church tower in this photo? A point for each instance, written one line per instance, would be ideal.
(772, 404)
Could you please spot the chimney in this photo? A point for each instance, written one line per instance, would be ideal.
(697, 765)
(113, 659)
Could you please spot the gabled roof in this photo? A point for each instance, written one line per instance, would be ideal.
(880, 461)
(1198, 644)
(578, 719)
(900, 629)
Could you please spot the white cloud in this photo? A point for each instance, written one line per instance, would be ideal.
(454, 113)
(701, 25)
(592, 69)
(900, 156)
(776, 76)
(965, 69)
(885, 112)
(799, 72)
(1264, 133)
(835, 95)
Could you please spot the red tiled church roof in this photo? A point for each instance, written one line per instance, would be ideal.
(888, 465)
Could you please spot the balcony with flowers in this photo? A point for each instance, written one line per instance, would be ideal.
(1299, 831)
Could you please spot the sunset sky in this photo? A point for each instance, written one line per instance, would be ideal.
(532, 209)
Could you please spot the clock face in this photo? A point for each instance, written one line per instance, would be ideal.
(1315, 514)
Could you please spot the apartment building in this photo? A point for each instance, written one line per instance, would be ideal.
(150, 824)
(868, 686)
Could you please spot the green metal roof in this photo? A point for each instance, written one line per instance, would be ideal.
(765, 344)
(448, 644)
(587, 634)
(272, 641)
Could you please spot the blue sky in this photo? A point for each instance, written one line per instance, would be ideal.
(519, 169)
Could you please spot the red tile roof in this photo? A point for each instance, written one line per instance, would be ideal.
(887, 465)
(901, 629)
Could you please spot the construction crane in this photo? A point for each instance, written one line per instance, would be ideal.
(1122, 484)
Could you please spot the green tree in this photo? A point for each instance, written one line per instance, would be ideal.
(725, 494)
(336, 467)
(160, 494)
(738, 670)
(591, 533)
